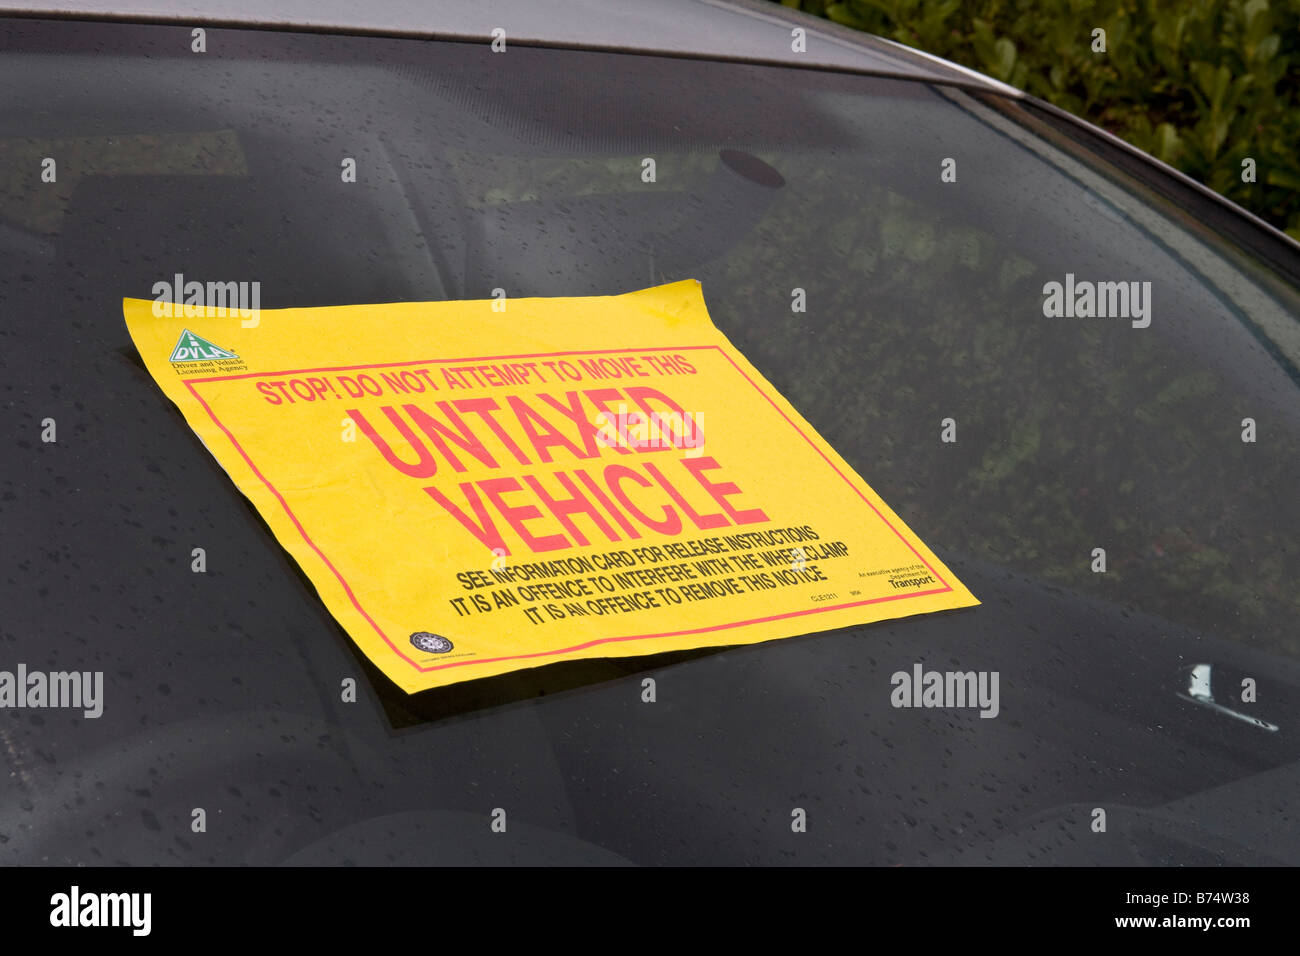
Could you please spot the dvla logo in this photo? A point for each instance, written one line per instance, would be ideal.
(193, 348)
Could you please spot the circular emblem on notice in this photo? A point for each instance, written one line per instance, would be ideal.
(433, 643)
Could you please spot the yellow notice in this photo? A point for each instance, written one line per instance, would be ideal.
(478, 487)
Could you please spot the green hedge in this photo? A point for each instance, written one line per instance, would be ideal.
(1200, 84)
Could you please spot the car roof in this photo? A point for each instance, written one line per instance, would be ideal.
(745, 30)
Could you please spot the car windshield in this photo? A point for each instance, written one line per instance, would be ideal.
(919, 228)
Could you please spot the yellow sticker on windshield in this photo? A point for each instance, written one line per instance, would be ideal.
(476, 487)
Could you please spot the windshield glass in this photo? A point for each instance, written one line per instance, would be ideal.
(1031, 353)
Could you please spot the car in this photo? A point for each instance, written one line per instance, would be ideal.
(1070, 369)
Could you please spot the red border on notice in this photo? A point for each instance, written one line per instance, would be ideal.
(190, 383)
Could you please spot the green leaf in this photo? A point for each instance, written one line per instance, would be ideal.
(1006, 57)
(1287, 179)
